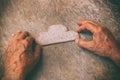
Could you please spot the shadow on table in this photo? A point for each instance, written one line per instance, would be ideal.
(37, 68)
(3, 6)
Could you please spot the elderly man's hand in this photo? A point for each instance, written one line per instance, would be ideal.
(103, 42)
(21, 56)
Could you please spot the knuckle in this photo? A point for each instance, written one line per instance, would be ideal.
(100, 29)
(17, 41)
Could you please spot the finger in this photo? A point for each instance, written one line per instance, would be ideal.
(22, 35)
(83, 21)
(37, 51)
(85, 44)
(28, 41)
(19, 35)
(81, 28)
(87, 26)
(15, 35)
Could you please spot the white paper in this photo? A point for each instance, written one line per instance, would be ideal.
(56, 34)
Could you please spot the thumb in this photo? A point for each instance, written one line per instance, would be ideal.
(85, 44)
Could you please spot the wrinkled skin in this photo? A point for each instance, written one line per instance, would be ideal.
(103, 43)
(21, 56)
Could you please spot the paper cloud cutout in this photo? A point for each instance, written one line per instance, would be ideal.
(56, 34)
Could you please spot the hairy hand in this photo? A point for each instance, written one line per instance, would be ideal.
(103, 42)
(21, 56)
